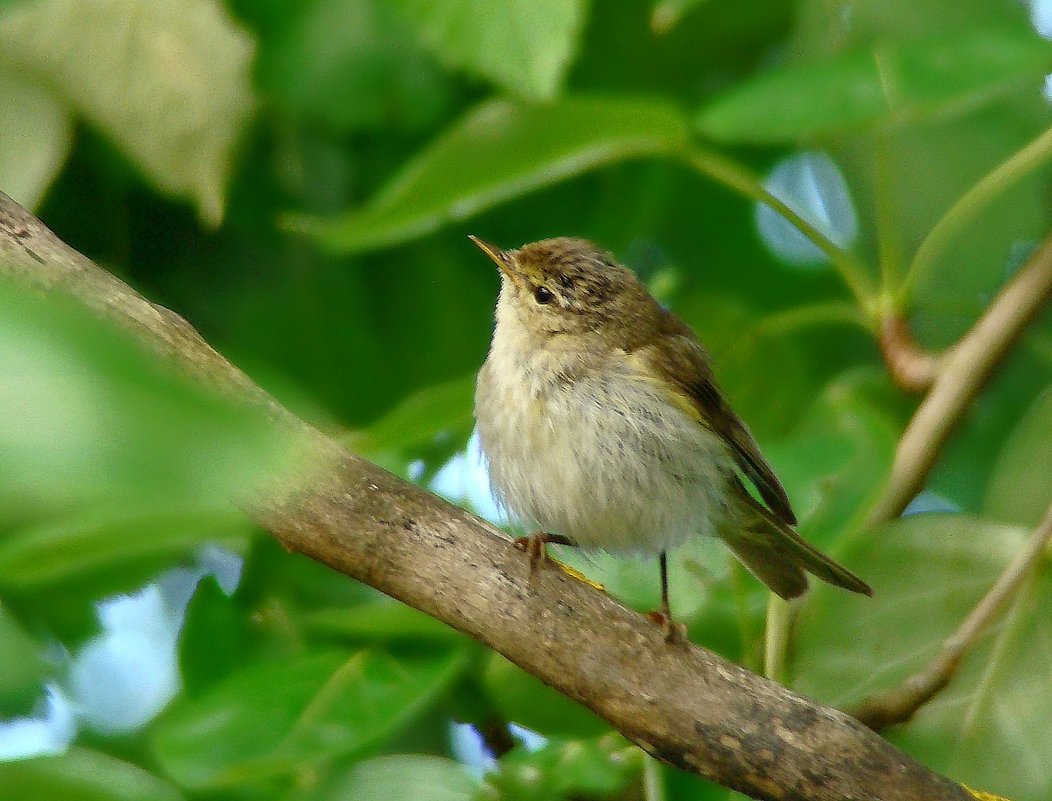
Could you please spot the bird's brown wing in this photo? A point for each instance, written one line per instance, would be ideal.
(682, 362)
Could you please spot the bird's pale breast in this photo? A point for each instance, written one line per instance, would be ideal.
(603, 457)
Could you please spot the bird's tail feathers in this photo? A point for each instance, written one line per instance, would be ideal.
(779, 557)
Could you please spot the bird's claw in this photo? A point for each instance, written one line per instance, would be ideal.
(535, 547)
(675, 632)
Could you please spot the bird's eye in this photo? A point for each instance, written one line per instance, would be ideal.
(543, 295)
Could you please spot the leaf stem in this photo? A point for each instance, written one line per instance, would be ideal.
(888, 241)
(653, 781)
(776, 638)
(739, 178)
(970, 204)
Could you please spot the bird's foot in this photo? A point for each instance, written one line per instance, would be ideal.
(536, 547)
(675, 632)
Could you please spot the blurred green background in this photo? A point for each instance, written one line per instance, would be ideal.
(298, 178)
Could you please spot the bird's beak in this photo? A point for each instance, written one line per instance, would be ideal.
(501, 258)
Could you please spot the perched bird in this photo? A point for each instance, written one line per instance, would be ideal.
(603, 426)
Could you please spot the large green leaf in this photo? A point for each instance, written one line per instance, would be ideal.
(272, 718)
(989, 728)
(500, 150)
(94, 428)
(408, 776)
(1019, 490)
(523, 46)
(166, 80)
(36, 133)
(890, 82)
(81, 775)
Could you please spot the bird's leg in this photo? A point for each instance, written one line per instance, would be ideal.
(675, 633)
(535, 546)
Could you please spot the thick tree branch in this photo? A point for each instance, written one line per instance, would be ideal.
(684, 705)
(962, 373)
(899, 704)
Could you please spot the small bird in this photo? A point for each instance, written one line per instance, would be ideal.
(603, 426)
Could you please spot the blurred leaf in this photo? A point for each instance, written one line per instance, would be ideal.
(748, 362)
(441, 409)
(836, 462)
(1015, 493)
(22, 664)
(272, 718)
(166, 80)
(562, 771)
(36, 133)
(68, 546)
(666, 14)
(89, 420)
(81, 775)
(498, 151)
(523, 46)
(214, 639)
(989, 727)
(349, 64)
(403, 776)
(526, 700)
(383, 620)
(893, 82)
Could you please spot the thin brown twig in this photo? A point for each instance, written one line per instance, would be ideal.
(963, 372)
(899, 704)
(684, 705)
(911, 367)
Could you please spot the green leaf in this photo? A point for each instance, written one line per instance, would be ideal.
(92, 425)
(383, 620)
(69, 546)
(349, 64)
(836, 462)
(1015, 494)
(893, 82)
(81, 775)
(498, 151)
(36, 133)
(526, 700)
(274, 718)
(748, 361)
(22, 663)
(666, 14)
(989, 727)
(441, 409)
(215, 637)
(408, 776)
(166, 80)
(561, 771)
(523, 46)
